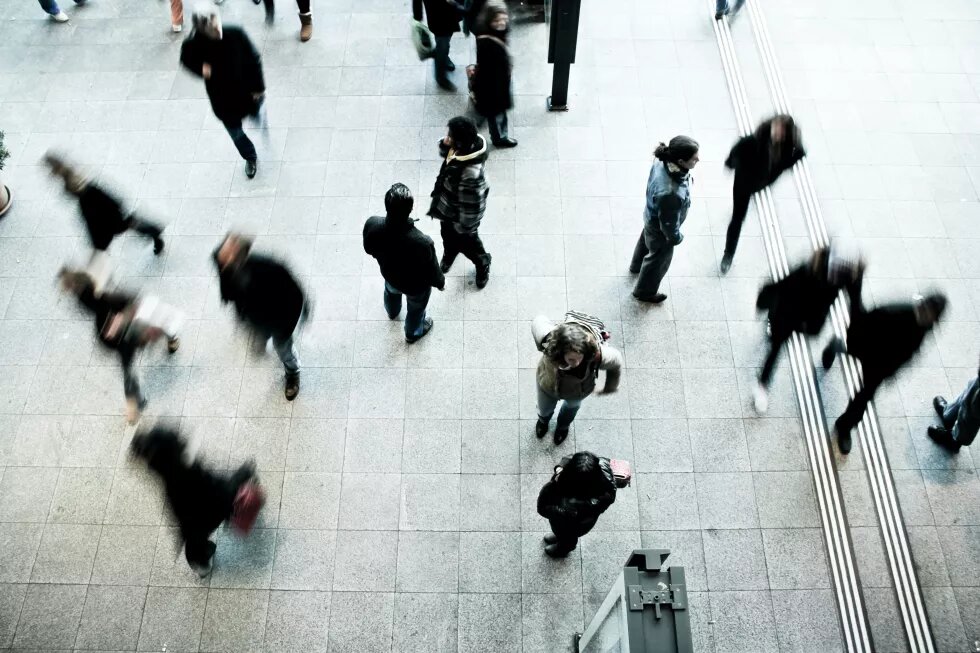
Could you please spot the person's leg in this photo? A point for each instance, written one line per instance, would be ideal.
(775, 344)
(392, 301)
(953, 408)
(563, 541)
(50, 6)
(654, 267)
(741, 197)
(471, 246)
(199, 552)
(305, 20)
(415, 313)
(242, 143)
(286, 349)
(494, 127)
(135, 401)
(149, 229)
(546, 405)
(855, 408)
(441, 60)
(450, 246)
(569, 408)
(721, 8)
(270, 11)
(639, 252)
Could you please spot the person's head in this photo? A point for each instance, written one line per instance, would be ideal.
(75, 281)
(73, 180)
(494, 16)
(569, 345)
(929, 309)
(462, 134)
(585, 476)
(206, 20)
(781, 128)
(682, 151)
(399, 202)
(162, 449)
(233, 249)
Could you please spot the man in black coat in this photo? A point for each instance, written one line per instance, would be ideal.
(232, 71)
(266, 296)
(408, 261)
(883, 340)
(443, 18)
(105, 218)
(492, 84)
(200, 499)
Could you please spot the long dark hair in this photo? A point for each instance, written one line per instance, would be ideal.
(464, 134)
(791, 132)
(585, 476)
(566, 338)
(680, 148)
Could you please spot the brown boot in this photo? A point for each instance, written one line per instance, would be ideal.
(306, 29)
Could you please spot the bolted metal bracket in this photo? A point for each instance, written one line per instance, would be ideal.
(673, 595)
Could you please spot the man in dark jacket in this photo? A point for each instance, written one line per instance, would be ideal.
(883, 340)
(232, 71)
(961, 419)
(408, 261)
(266, 296)
(443, 18)
(200, 499)
(581, 489)
(105, 218)
(491, 86)
(459, 197)
(758, 160)
(801, 301)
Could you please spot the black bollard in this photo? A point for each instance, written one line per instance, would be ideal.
(562, 38)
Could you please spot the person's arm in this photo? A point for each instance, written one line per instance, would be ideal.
(443, 148)
(737, 153)
(472, 199)
(540, 328)
(552, 505)
(438, 278)
(254, 80)
(670, 219)
(417, 9)
(190, 57)
(612, 363)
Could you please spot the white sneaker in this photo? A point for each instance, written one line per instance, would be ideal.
(60, 17)
(177, 28)
(760, 397)
(203, 572)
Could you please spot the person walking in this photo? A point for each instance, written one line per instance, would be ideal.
(668, 199)
(758, 160)
(408, 261)
(53, 10)
(491, 84)
(459, 197)
(443, 18)
(801, 302)
(199, 498)
(883, 340)
(124, 324)
(573, 352)
(725, 8)
(580, 490)
(267, 298)
(232, 71)
(960, 419)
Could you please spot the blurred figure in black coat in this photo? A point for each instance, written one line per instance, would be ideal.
(492, 82)
(581, 489)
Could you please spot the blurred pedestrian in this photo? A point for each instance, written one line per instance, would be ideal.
(232, 71)
(492, 81)
(53, 10)
(801, 301)
(581, 488)
(573, 352)
(758, 160)
(459, 197)
(177, 15)
(883, 339)
(408, 261)
(125, 324)
(668, 199)
(199, 498)
(724, 8)
(443, 18)
(960, 419)
(267, 298)
(105, 218)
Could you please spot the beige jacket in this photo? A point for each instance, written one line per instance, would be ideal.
(610, 360)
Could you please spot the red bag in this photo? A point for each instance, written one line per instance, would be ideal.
(248, 502)
(622, 472)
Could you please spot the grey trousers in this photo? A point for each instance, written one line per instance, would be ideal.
(651, 259)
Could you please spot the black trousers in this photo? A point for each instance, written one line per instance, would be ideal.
(467, 244)
(198, 547)
(741, 196)
(567, 537)
(144, 227)
(776, 343)
(855, 408)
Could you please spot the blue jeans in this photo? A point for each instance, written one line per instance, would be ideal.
(51, 6)
(546, 408)
(960, 418)
(415, 314)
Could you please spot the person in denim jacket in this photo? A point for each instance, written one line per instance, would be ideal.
(668, 199)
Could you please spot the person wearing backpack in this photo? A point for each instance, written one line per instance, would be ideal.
(581, 488)
(492, 80)
(573, 352)
(459, 197)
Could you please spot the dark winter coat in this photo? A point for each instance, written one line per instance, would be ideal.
(104, 215)
(801, 301)
(885, 338)
(668, 200)
(460, 192)
(236, 71)
(492, 86)
(265, 294)
(406, 255)
(103, 308)
(573, 515)
(751, 159)
(441, 16)
(471, 13)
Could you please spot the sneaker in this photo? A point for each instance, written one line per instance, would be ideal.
(177, 28)
(760, 398)
(483, 274)
(60, 17)
(550, 538)
(426, 327)
(726, 263)
(943, 438)
(651, 299)
(843, 441)
(173, 344)
(939, 404)
(560, 435)
(292, 386)
(540, 429)
(205, 570)
(251, 167)
(553, 551)
(504, 143)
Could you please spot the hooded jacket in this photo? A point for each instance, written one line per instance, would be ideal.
(580, 382)
(492, 84)
(236, 71)
(460, 192)
(668, 199)
(406, 255)
(751, 159)
(265, 294)
(575, 515)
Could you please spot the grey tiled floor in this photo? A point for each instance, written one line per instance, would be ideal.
(403, 479)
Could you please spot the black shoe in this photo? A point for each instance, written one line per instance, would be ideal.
(830, 353)
(843, 441)
(721, 14)
(292, 386)
(553, 551)
(651, 299)
(943, 438)
(939, 403)
(505, 143)
(636, 271)
(561, 434)
(540, 429)
(426, 327)
(450, 66)
(270, 16)
(483, 273)
(446, 85)
(726, 263)
(251, 167)
(157, 246)
(550, 538)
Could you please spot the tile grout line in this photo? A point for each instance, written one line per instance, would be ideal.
(840, 556)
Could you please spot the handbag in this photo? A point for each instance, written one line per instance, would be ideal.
(622, 472)
(245, 510)
(424, 41)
